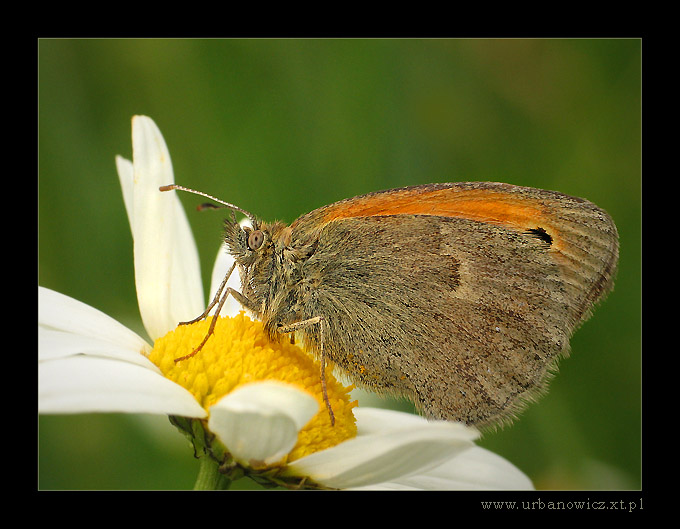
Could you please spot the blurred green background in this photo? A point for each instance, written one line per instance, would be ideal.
(281, 127)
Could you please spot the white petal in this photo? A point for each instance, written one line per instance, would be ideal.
(84, 384)
(59, 312)
(222, 264)
(167, 271)
(376, 421)
(474, 469)
(126, 177)
(479, 468)
(412, 445)
(53, 345)
(259, 422)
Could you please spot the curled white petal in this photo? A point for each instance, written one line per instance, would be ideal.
(409, 446)
(167, 268)
(84, 384)
(259, 422)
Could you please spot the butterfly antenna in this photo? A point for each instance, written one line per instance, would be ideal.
(170, 187)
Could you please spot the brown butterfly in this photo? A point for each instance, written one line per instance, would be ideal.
(461, 297)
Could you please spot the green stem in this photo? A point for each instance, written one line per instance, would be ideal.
(209, 477)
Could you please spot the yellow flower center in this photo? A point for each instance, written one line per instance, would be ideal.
(238, 353)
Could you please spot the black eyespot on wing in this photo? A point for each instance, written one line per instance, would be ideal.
(540, 233)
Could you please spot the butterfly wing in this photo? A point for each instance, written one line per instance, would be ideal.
(458, 296)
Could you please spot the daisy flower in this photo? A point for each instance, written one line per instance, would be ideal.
(249, 406)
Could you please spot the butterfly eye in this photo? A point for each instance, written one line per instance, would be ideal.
(255, 239)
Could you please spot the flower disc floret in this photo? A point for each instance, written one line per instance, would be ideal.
(239, 353)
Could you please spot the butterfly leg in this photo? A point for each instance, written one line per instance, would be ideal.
(219, 299)
(215, 299)
(306, 323)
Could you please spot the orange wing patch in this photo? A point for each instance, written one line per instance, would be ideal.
(484, 205)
